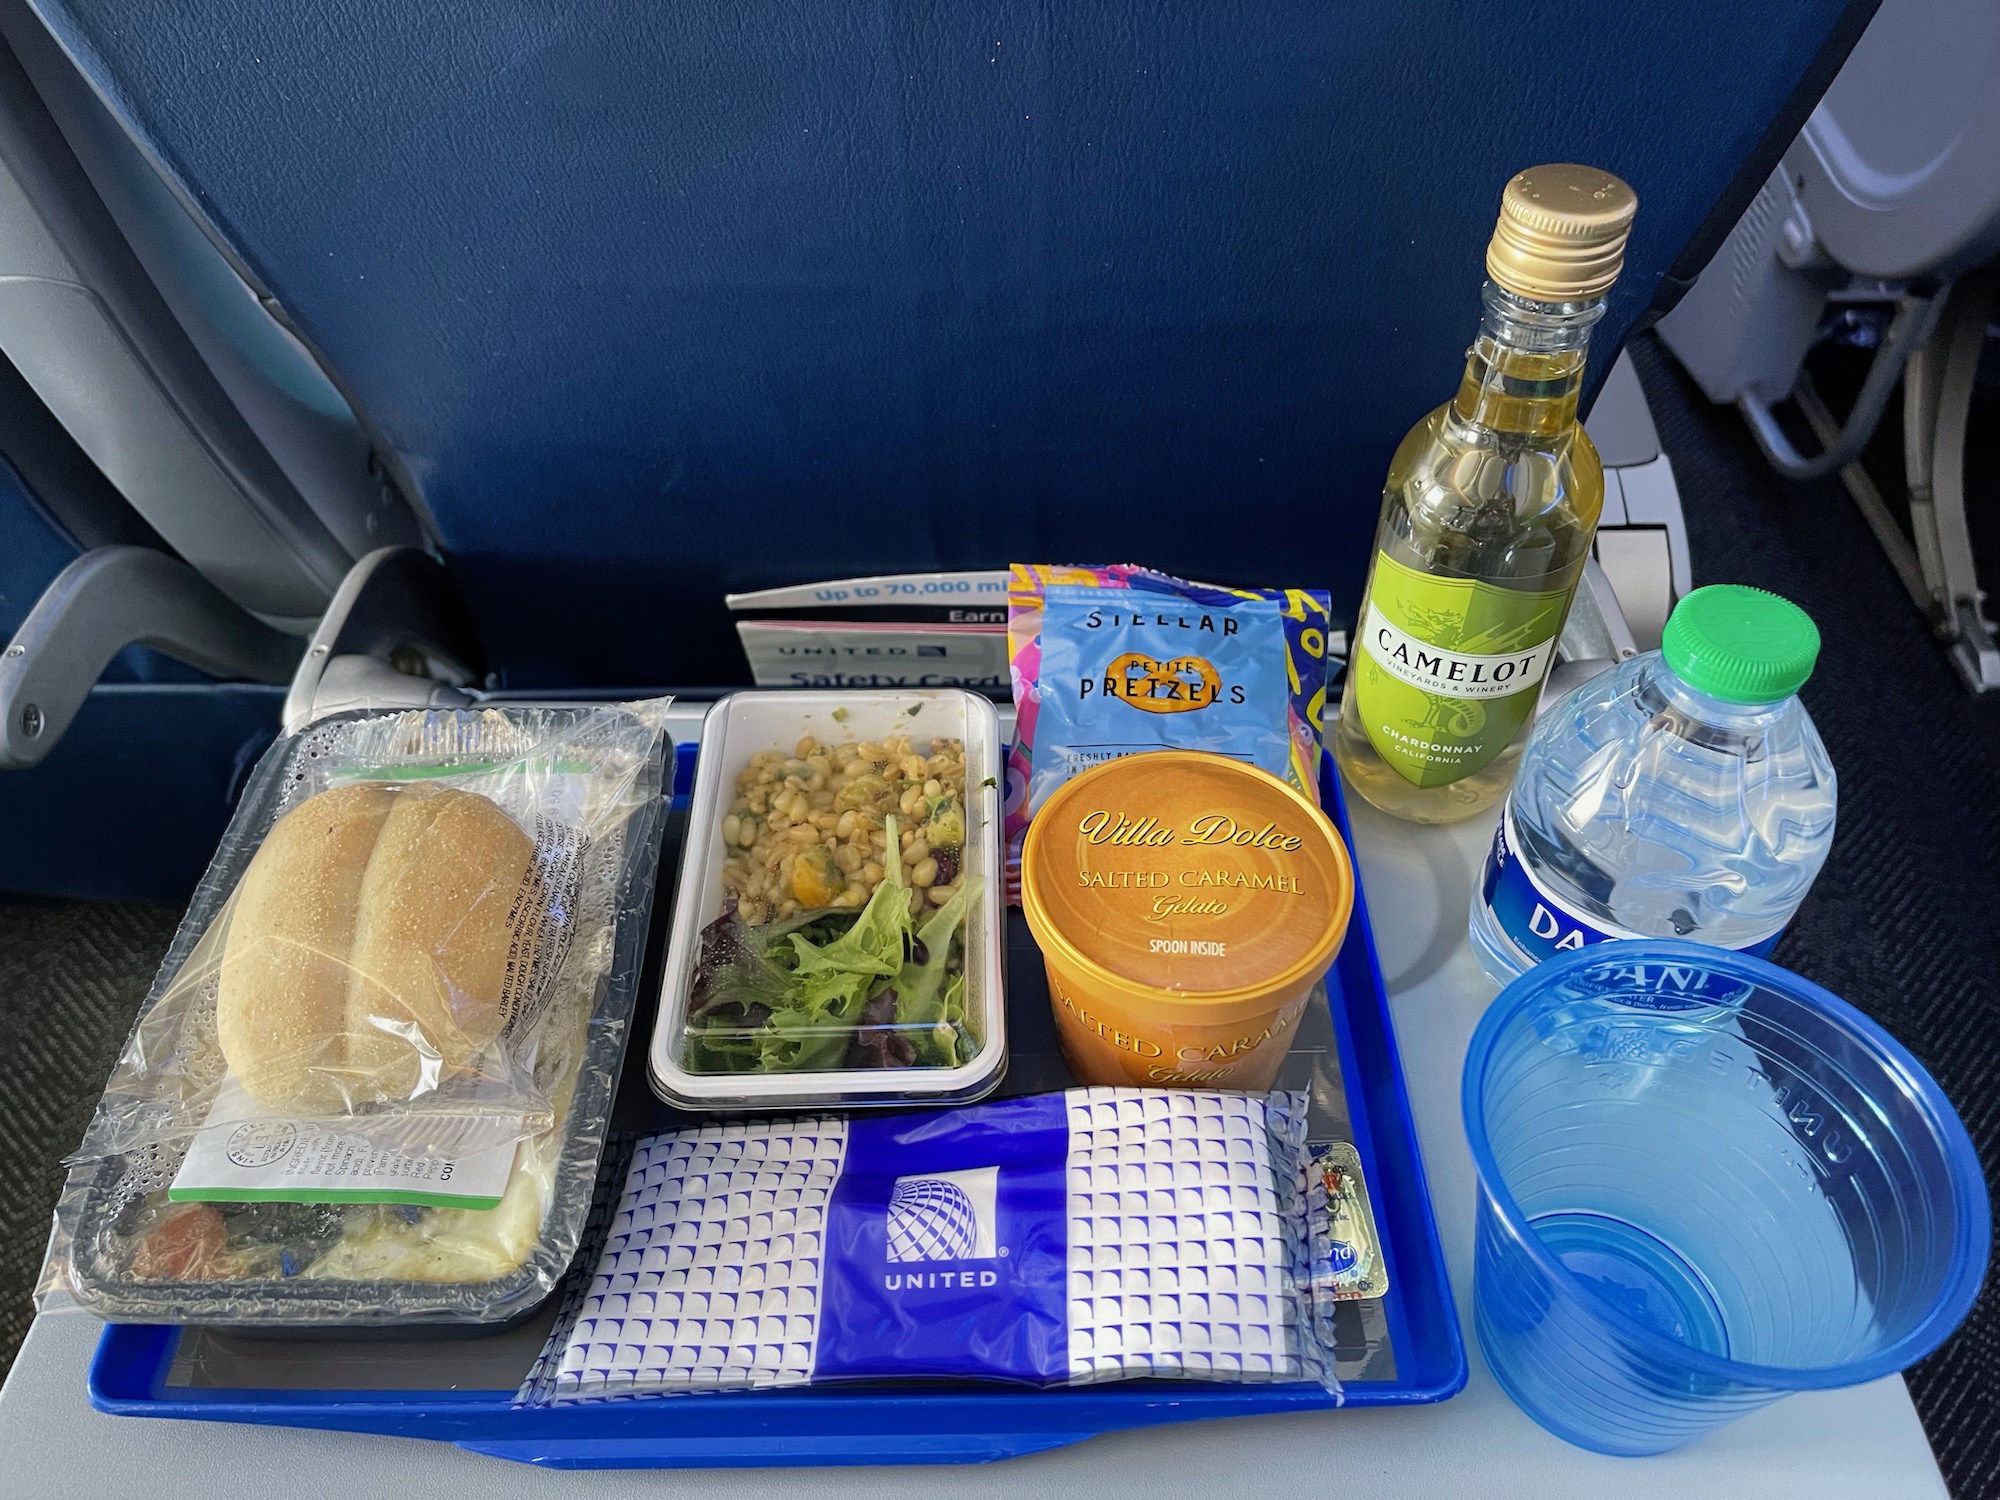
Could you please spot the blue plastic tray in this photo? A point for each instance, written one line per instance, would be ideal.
(902, 1424)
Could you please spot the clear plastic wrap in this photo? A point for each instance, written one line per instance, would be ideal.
(371, 1082)
(1062, 1239)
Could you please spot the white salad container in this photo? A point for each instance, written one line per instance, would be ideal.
(737, 728)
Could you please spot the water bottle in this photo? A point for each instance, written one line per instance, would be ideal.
(1684, 793)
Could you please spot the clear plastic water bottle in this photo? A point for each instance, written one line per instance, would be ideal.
(1683, 794)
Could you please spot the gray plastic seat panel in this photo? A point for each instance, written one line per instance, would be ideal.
(274, 380)
(87, 375)
(1900, 164)
(1619, 423)
(86, 328)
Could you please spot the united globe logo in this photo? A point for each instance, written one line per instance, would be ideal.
(930, 1219)
(936, 1216)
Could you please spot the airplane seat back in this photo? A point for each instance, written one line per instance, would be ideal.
(655, 302)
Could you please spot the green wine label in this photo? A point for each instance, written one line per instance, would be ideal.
(1449, 668)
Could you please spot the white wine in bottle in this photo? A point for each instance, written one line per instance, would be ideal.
(1487, 518)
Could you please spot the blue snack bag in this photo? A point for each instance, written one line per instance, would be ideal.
(1114, 661)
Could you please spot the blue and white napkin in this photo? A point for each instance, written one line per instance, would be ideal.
(1099, 1234)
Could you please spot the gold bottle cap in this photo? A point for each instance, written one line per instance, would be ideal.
(1561, 235)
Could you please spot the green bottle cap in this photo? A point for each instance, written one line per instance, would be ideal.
(1740, 644)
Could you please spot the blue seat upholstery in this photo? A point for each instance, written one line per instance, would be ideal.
(33, 550)
(658, 300)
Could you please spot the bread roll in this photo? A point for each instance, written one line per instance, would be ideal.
(281, 1008)
(368, 946)
(438, 912)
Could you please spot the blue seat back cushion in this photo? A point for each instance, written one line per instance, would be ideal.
(656, 301)
(132, 801)
(33, 549)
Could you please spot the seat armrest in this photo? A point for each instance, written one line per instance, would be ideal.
(108, 599)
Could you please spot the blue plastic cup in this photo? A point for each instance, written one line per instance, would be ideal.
(1705, 1182)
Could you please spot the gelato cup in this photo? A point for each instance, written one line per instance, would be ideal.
(1186, 904)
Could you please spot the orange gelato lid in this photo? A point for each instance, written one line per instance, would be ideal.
(1187, 878)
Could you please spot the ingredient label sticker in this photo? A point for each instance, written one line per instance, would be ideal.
(1348, 1264)
(242, 1155)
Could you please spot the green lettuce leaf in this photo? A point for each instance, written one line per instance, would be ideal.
(923, 990)
(809, 1026)
(787, 997)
